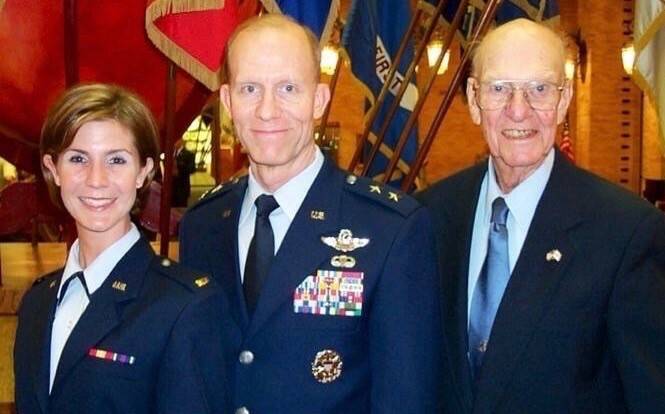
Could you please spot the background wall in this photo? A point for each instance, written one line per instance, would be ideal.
(611, 135)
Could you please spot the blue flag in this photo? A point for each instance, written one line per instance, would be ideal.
(318, 15)
(371, 38)
(536, 10)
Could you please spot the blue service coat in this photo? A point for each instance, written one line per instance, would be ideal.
(291, 359)
(165, 317)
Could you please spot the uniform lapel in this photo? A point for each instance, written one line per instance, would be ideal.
(42, 323)
(223, 253)
(297, 256)
(455, 285)
(102, 314)
(532, 283)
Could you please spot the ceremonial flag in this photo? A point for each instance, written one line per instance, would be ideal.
(371, 38)
(566, 145)
(536, 10)
(318, 15)
(649, 67)
(193, 33)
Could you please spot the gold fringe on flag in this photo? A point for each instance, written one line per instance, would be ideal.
(178, 55)
(2, 3)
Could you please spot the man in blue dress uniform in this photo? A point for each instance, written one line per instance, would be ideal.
(330, 279)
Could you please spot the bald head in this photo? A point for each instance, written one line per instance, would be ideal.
(520, 37)
(273, 23)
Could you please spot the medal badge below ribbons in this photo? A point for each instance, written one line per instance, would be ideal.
(330, 292)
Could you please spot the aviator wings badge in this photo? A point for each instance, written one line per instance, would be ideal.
(345, 242)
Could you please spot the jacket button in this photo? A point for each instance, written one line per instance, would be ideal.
(242, 410)
(246, 357)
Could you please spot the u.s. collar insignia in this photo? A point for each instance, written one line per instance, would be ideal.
(317, 215)
(343, 261)
(226, 213)
(327, 366)
(553, 255)
(345, 242)
(52, 285)
(118, 285)
(202, 281)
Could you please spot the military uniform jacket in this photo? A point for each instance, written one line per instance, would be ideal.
(580, 328)
(384, 359)
(149, 309)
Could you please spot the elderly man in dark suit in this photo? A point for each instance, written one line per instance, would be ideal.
(553, 279)
(330, 279)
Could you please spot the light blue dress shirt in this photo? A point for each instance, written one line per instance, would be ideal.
(521, 201)
(289, 197)
(75, 301)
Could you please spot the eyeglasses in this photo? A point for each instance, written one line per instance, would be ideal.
(540, 95)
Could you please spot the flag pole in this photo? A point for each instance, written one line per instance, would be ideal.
(167, 178)
(486, 18)
(71, 43)
(380, 136)
(374, 110)
(413, 117)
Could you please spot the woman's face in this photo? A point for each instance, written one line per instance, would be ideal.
(98, 176)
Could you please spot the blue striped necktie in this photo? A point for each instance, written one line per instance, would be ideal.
(490, 286)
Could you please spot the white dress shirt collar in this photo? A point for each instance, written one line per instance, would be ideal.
(523, 199)
(289, 196)
(100, 268)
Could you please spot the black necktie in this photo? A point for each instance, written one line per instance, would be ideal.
(81, 278)
(261, 251)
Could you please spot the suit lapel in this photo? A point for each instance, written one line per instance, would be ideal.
(532, 283)
(297, 257)
(223, 253)
(102, 314)
(456, 284)
(42, 324)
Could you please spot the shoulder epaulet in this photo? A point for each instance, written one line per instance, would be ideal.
(219, 190)
(47, 277)
(387, 196)
(191, 280)
(39, 280)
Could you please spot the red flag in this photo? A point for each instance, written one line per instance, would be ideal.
(566, 145)
(193, 33)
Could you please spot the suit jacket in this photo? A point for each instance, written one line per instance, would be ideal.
(581, 334)
(383, 361)
(148, 308)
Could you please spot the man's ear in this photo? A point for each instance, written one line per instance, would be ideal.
(321, 99)
(50, 166)
(474, 109)
(225, 97)
(564, 102)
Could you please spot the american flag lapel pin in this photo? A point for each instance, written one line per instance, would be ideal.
(553, 255)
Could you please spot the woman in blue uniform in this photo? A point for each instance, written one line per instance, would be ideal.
(118, 329)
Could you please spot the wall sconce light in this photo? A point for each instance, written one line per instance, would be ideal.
(569, 68)
(628, 57)
(434, 49)
(329, 58)
(576, 62)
